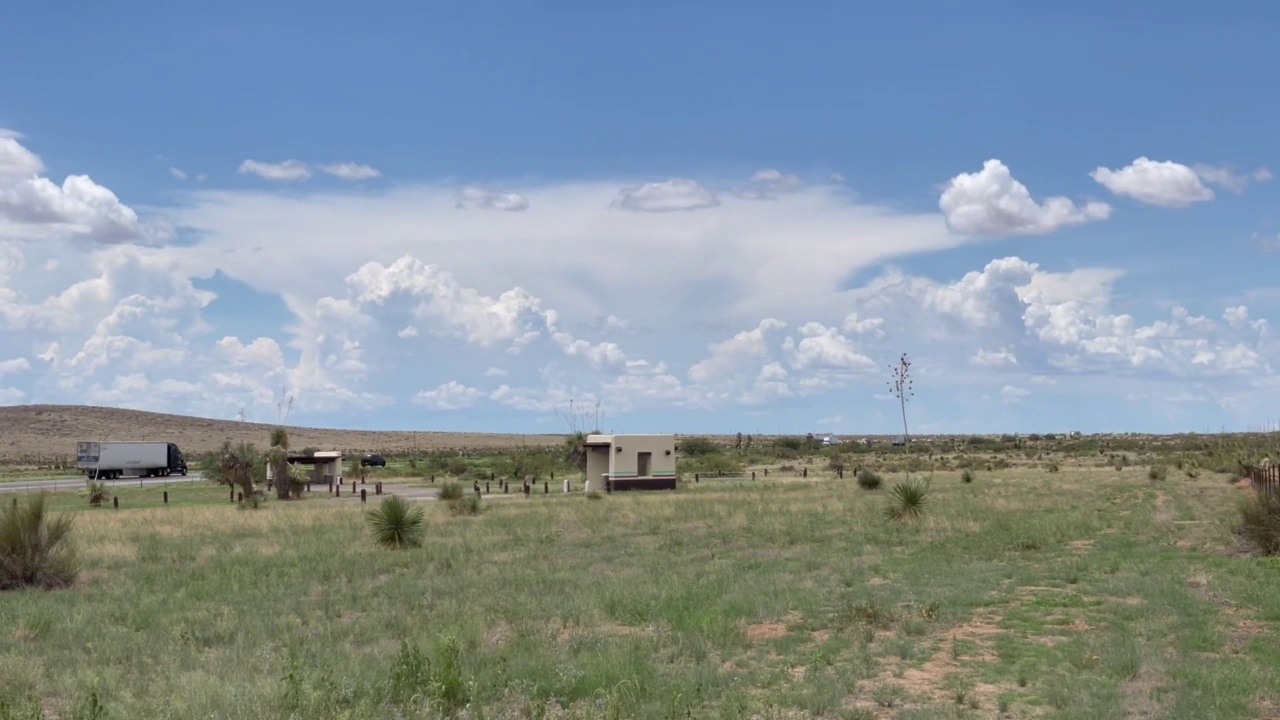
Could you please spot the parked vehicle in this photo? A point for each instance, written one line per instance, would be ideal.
(115, 459)
(372, 459)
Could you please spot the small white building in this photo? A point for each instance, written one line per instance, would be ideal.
(325, 466)
(631, 462)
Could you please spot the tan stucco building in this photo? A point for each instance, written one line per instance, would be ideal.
(631, 462)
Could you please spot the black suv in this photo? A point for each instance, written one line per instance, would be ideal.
(369, 459)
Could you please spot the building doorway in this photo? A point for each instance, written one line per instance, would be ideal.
(644, 464)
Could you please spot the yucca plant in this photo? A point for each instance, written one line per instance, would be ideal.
(95, 490)
(395, 524)
(966, 476)
(869, 480)
(907, 500)
(34, 547)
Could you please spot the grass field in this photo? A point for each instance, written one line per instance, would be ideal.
(1084, 593)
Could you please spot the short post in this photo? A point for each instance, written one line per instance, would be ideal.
(379, 488)
(115, 502)
(486, 487)
(697, 477)
(840, 473)
(506, 487)
(566, 485)
(363, 496)
(490, 475)
(526, 488)
(719, 473)
(753, 474)
(546, 488)
(608, 486)
(239, 497)
(804, 472)
(233, 495)
(433, 477)
(766, 472)
(166, 497)
(337, 490)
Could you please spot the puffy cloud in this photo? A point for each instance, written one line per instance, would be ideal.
(512, 317)
(452, 395)
(824, 348)
(478, 197)
(676, 194)
(351, 171)
(730, 355)
(16, 161)
(33, 207)
(992, 202)
(287, 171)
(769, 184)
(1162, 183)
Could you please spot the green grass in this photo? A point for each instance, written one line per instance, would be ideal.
(1080, 594)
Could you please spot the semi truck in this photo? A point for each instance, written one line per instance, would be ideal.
(114, 459)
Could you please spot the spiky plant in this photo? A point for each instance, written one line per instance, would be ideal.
(34, 547)
(395, 524)
(95, 490)
(907, 500)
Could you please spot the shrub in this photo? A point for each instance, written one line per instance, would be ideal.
(1054, 466)
(34, 547)
(869, 480)
(451, 490)
(1157, 472)
(1259, 523)
(395, 524)
(966, 476)
(908, 500)
(468, 504)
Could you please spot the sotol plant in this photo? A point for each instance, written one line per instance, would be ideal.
(34, 547)
(907, 500)
(901, 386)
(395, 524)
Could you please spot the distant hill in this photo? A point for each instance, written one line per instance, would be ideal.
(29, 432)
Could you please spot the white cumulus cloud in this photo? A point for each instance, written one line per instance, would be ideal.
(351, 171)
(289, 170)
(479, 197)
(1162, 183)
(676, 194)
(452, 395)
(992, 202)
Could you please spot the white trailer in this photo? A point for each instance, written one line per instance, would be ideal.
(114, 459)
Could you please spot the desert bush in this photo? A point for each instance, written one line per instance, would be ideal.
(395, 524)
(451, 490)
(1259, 524)
(869, 480)
(1054, 466)
(908, 500)
(468, 504)
(1157, 472)
(35, 550)
(966, 476)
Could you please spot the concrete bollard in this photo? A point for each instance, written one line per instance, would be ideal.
(166, 497)
(378, 489)
(566, 485)
(363, 495)
(586, 487)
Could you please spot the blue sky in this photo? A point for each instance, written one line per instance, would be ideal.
(709, 217)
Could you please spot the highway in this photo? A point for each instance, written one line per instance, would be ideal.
(73, 482)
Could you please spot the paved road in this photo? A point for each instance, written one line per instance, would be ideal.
(75, 483)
